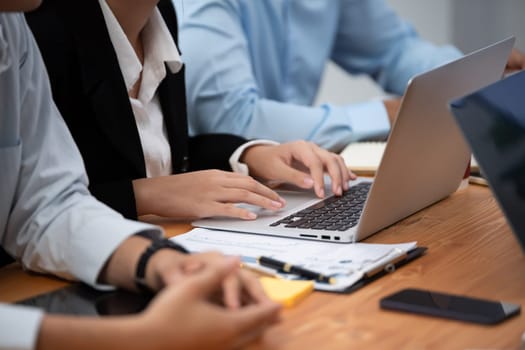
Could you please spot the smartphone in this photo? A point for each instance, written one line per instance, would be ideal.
(451, 306)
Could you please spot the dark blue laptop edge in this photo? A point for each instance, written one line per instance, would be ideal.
(492, 120)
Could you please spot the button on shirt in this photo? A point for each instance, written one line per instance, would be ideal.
(254, 66)
(159, 49)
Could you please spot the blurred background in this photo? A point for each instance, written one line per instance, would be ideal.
(467, 24)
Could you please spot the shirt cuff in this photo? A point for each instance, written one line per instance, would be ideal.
(19, 326)
(368, 120)
(100, 233)
(242, 168)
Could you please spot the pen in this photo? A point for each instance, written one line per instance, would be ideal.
(296, 270)
(259, 270)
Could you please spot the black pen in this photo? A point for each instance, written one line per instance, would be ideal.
(296, 270)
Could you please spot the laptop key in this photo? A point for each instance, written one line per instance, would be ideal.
(331, 214)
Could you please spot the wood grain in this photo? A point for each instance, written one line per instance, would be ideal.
(471, 251)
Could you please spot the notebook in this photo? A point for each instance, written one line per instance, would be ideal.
(424, 160)
(493, 121)
(363, 157)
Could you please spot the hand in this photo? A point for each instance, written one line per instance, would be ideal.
(203, 194)
(168, 267)
(301, 163)
(516, 61)
(392, 107)
(183, 316)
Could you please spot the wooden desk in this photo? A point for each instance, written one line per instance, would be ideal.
(471, 251)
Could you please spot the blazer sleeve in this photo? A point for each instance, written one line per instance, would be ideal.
(212, 151)
(118, 195)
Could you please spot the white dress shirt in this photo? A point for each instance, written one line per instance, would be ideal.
(159, 48)
(48, 219)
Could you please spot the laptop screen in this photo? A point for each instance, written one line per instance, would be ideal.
(493, 122)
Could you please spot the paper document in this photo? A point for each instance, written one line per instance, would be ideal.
(346, 262)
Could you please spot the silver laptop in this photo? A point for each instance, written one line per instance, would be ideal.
(424, 162)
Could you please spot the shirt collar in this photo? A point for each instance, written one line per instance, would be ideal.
(159, 48)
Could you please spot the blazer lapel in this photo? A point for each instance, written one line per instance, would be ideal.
(173, 103)
(172, 96)
(103, 83)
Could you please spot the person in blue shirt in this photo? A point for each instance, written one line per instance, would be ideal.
(254, 67)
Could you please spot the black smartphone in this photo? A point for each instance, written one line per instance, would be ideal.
(451, 306)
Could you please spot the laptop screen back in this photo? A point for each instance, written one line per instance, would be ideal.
(493, 122)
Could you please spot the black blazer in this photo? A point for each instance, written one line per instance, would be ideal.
(90, 92)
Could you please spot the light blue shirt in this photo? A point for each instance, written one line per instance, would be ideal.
(48, 219)
(253, 67)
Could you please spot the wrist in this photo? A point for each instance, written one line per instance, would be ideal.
(120, 269)
(239, 158)
(245, 155)
(150, 264)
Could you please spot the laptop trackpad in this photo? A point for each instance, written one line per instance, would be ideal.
(295, 200)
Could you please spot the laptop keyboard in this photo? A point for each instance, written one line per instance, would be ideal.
(331, 214)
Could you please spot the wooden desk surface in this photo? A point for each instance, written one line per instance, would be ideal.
(471, 251)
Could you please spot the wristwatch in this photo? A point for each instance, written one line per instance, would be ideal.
(156, 245)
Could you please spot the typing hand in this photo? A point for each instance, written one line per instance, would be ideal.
(300, 163)
(203, 194)
(183, 316)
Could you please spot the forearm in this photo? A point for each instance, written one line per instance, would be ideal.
(329, 126)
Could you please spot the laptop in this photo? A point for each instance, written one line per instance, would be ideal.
(493, 122)
(423, 162)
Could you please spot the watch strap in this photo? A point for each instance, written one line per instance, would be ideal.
(155, 246)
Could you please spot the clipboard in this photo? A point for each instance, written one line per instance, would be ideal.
(346, 265)
(371, 274)
(387, 269)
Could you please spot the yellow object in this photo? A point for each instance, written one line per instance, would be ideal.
(286, 292)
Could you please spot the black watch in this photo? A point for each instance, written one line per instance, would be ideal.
(156, 245)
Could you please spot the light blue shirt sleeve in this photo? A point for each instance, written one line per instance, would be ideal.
(253, 68)
(48, 219)
(373, 40)
(19, 327)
